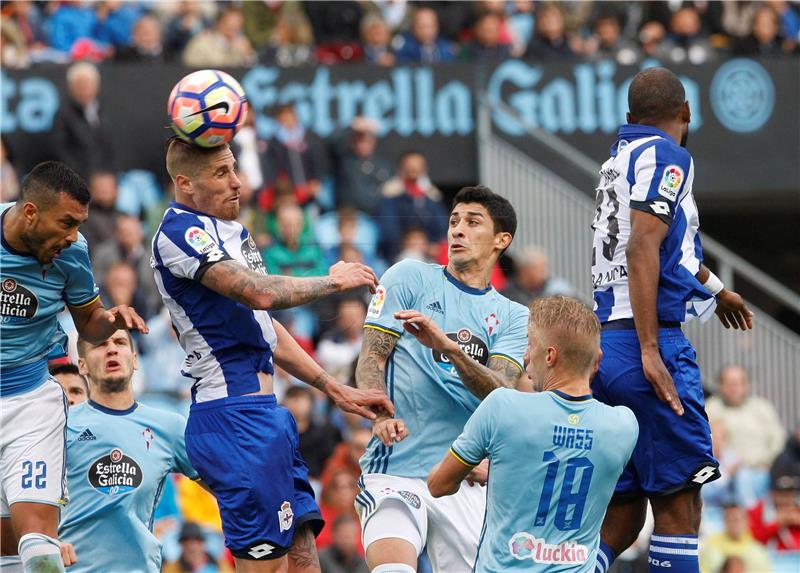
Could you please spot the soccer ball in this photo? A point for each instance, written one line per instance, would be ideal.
(207, 108)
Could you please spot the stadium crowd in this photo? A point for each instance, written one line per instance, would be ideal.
(310, 203)
(203, 33)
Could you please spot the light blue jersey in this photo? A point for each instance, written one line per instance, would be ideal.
(117, 461)
(424, 387)
(31, 296)
(554, 462)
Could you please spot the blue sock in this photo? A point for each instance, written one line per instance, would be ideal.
(605, 557)
(673, 554)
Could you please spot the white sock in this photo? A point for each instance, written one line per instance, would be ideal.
(11, 564)
(40, 554)
(394, 568)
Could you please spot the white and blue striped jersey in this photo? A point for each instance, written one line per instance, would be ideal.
(554, 462)
(226, 343)
(117, 463)
(649, 172)
(31, 296)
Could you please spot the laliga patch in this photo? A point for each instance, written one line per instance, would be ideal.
(671, 182)
(377, 302)
(285, 516)
(199, 240)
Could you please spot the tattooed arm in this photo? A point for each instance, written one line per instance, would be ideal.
(272, 292)
(478, 379)
(370, 376)
(291, 357)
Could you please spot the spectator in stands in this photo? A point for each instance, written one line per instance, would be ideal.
(317, 438)
(294, 155)
(291, 42)
(158, 348)
(81, 133)
(376, 38)
(27, 19)
(533, 279)
(423, 44)
(789, 16)
(549, 39)
(347, 454)
(410, 200)
(775, 521)
(358, 170)
(754, 430)
(261, 19)
(651, 39)
(334, 22)
(187, 23)
(195, 557)
(69, 23)
(343, 555)
(115, 22)
(735, 541)
(223, 46)
(341, 345)
(121, 287)
(13, 50)
(608, 42)
(486, 43)
(765, 37)
(72, 381)
(102, 222)
(9, 183)
(291, 253)
(416, 246)
(338, 498)
(146, 43)
(788, 461)
(686, 42)
(130, 247)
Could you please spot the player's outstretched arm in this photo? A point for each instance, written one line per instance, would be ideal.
(370, 375)
(291, 357)
(479, 379)
(95, 323)
(644, 265)
(446, 476)
(731, 309)
(273, 292)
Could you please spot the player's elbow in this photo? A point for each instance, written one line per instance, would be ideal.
(437, 486)
(262, 301)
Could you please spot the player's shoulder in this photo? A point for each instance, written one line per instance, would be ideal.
(179, 219)
(516, 311)
(667, 151)
(6, 206)
(412, 269)
(621, 417)
(167, 420)
(78, 416)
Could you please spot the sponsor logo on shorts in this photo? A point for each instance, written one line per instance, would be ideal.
(115, 473)
(260, 551)
(285, 516)
(524, 546)
(705, 474)
(16, 302)
(469, 343)
(253, 257)
(377, 302)
(411, 499)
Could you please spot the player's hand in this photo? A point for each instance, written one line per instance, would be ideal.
(479, 474)
(389, 430)
(68, 555)
(348, 276)
(732, 311)
(125, 318)
(359, 401)
(657, 374)
(426, 331)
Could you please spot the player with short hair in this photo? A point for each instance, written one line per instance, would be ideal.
(435, 391)
(213, 281)
(119, 453)
(649, 278)
(44, 266)
(555, 455)
(72, 381)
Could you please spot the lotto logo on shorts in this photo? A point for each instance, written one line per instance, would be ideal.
(525, 546)
(706, 474)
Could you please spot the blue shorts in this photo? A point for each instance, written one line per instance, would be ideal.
(673, 452)
(246, 449)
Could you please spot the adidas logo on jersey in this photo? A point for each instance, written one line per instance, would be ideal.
(435, 307)
(86, 435)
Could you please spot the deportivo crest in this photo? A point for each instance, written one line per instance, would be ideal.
(671, 182)
(199, 240)
(377, 302)
(285, 516)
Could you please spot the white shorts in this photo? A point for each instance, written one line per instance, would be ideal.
(450, 526)
(33, 429)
